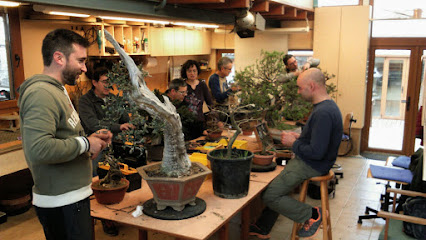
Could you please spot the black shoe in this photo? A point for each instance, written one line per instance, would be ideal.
(109, 227)
(256, 231)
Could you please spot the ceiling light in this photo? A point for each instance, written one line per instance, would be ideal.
(68, 14)
(134, 20)
(9, 4)
(195, 25)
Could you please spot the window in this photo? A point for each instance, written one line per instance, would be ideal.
(301, 56)
(330, 3)
(11, 67)
(6, 81)
(395, 18)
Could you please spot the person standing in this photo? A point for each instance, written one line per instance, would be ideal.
(56, 151)
(217, 82)
(198, 92)
(315, 153)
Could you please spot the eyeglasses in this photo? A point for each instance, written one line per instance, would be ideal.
(183, 92)
(292, 63)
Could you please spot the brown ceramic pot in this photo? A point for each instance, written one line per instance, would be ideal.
(110, 195)
(263, 160)
(214, 135)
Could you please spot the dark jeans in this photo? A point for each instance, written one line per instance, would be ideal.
(70, 222)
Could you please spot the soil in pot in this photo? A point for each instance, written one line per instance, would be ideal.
(110, 195)
(263, 159)
(231, 177)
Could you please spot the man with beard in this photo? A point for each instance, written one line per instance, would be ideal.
(56, 151)
(292, 69)
(315, 153)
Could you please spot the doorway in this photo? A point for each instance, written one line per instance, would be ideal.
(393, 89)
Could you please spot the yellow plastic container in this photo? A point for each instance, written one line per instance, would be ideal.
(201, 158)
(240, 144)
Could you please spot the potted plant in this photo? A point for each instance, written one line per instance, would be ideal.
(175, 181)
(261, 85)
(231, 166)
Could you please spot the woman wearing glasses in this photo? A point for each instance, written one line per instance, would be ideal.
(198, 92)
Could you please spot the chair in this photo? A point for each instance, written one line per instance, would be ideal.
(326, 222)
(346, 145)
(399, 176)
(392, 216)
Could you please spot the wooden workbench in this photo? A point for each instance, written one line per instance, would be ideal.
(216, 217)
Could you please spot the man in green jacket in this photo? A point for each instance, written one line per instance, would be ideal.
(56, 151)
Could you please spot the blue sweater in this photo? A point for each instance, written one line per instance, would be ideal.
(217, 94)
(319, 141)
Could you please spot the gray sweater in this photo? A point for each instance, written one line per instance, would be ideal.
(50, 130)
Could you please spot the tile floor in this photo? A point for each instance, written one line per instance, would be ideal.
(353, 193)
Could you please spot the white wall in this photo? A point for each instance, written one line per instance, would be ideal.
(247, 50)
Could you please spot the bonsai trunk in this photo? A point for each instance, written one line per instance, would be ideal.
(175, 160)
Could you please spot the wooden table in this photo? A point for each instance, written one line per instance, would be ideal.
(216, 217)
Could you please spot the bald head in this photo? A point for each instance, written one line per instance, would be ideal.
(314, 75)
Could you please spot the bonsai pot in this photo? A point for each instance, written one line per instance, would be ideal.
(214, 135)
(231, 177)
(263, 160)
(247, 132)
(110, 195)
(174, 192)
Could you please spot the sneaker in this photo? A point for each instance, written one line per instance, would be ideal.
(109, 227)
(256, 231)
(311, 226)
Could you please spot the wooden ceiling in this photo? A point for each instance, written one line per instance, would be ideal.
(270, 10)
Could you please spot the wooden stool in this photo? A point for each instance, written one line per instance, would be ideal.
(13, 120)
(326, 223)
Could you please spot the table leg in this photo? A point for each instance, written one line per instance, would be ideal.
(93, 228)
(245, 221)
(224, 232)
(143, 234)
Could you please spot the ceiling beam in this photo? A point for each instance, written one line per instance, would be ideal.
(275, 10)
(260, 6)
(194, 1)
(227, 5)
(302, 14)
(282, 18)
(290, 12)
(144, 8)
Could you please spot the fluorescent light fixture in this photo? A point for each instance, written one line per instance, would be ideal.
(134, 20)
(68, 14)
(9, 4)
(195, 25)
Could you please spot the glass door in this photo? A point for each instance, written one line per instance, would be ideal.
(389, 98)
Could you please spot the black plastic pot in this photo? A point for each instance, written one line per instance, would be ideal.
(231, 177)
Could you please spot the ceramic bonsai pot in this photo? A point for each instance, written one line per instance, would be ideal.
(110, 195)
(174, 192)
(231, 177)
(214, 135)
(263, 160)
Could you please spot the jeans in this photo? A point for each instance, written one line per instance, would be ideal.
(70, 222)
(277, 195)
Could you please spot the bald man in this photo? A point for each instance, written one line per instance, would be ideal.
(315, 153)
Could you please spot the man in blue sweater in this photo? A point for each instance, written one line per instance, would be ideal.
(315, 153)
(217, 82)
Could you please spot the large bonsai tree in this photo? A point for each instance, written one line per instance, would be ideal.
(262, 84)
(175, 162)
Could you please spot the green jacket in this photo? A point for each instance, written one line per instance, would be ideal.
(50, 130)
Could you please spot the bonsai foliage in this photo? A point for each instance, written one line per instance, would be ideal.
(175, 159)
(262, 84)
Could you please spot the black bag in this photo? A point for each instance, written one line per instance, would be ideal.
(415, 207)
(314, 189)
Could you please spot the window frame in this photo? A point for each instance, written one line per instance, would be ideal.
(17, 73)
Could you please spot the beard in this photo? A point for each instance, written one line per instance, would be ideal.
(70, 75)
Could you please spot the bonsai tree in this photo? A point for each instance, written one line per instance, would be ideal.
(175, 162)
(262, 85)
